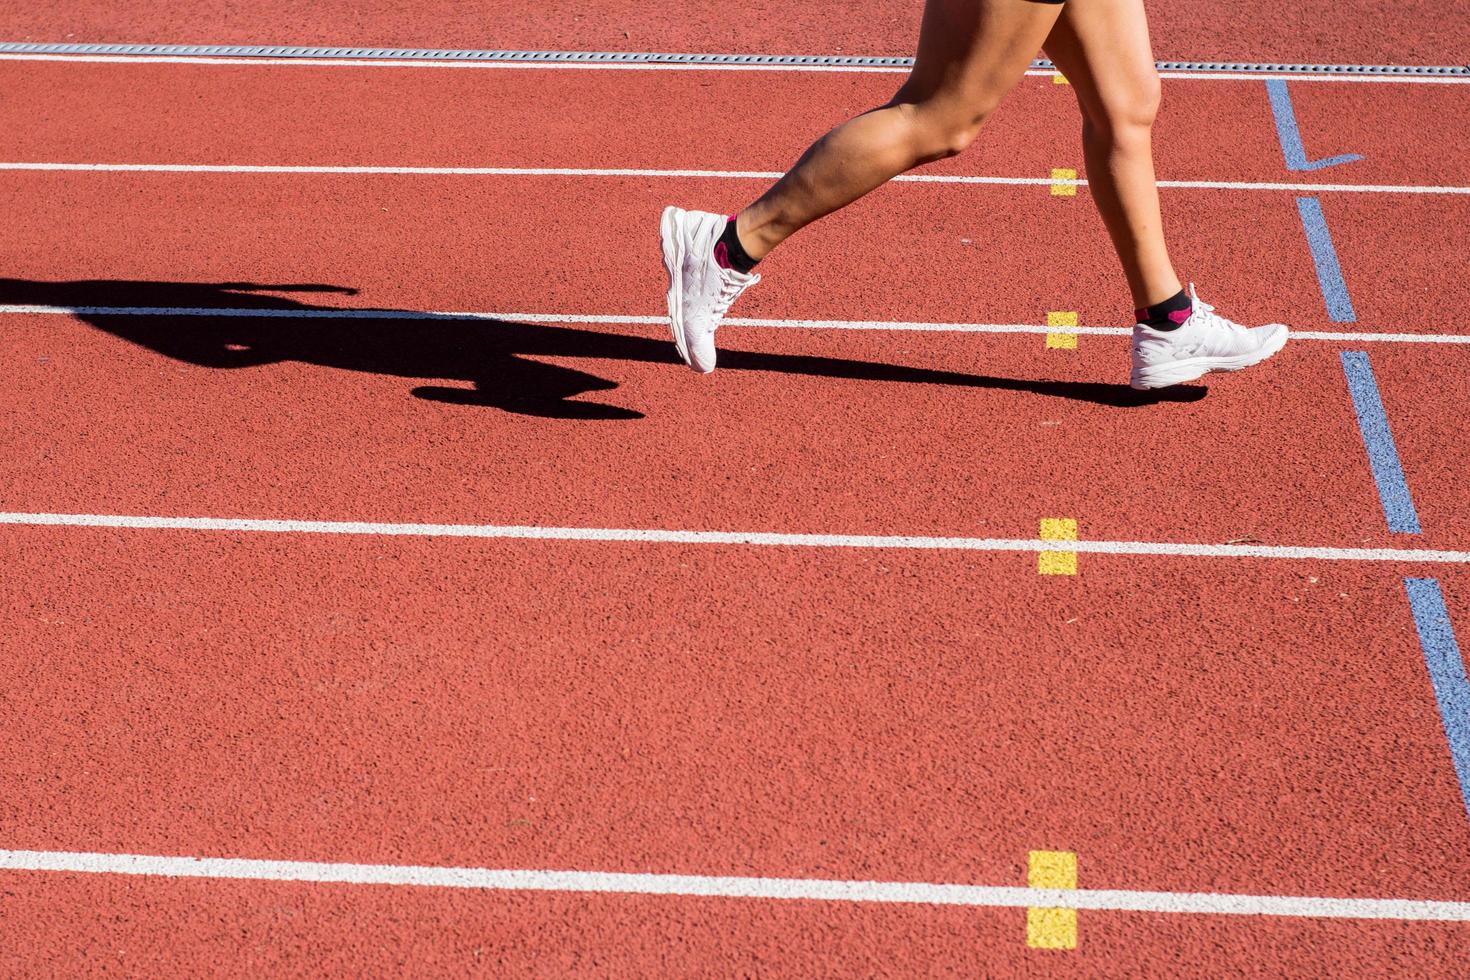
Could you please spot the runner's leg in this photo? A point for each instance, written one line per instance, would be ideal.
(971, 53)
(1102, 46)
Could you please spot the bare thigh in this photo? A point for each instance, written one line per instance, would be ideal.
(970, 54)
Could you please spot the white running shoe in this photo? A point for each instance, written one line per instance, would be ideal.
(1203, 343)
(700, 290)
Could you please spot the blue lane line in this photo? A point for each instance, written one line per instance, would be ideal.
(1446, 673)
(1324, 256)
(1383, 455)
(1291, 137)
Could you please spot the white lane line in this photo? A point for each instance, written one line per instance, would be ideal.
(784, 889)
(1173, 73)
(1392, 338)
(212, 168)
(127, 59)
(762, 539)
(1309, 188)
(897, 326)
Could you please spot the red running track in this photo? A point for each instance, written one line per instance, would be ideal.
(811, 714)
(1182, 724)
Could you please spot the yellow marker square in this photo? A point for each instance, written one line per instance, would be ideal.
(1059, 79)
(1061, 341)
(1059, 529)
(1051, 869)
(1063, 190)
(1057, 562)
(1051, 928)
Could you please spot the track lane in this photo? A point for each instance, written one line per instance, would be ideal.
(210, 114)
(970, 253)
(1005, 432)
(1388, 264)
(524, 705)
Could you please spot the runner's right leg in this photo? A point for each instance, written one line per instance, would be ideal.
(971, 53)
(1103, 47)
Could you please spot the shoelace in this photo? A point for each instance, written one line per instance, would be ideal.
(1213, 319)
(729, 289)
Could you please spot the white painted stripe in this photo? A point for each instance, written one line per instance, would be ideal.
(334, 314)
(213, 168)
(126, 59)
(749, 538)
(209, 168)
(1192, 75)
(782, 889)
(1311, 188)
(1392, 338)
(1331, 336)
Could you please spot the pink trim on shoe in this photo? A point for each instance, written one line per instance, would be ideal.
(1177, 317)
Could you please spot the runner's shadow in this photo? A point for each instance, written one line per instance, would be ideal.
(494, 359)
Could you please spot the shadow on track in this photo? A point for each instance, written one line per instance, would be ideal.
(493, 356)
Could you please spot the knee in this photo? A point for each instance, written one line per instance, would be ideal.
(1143, 106)
(1128, 115)
(954, 136)
(944, 130)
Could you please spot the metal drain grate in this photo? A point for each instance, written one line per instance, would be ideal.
(659, 58)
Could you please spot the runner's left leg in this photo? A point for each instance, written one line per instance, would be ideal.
(971, 53)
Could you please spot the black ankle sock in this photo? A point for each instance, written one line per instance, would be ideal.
(729, 253)
(1168, 315)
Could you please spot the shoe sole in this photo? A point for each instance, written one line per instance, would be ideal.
(673, 249)
(1178, 372)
